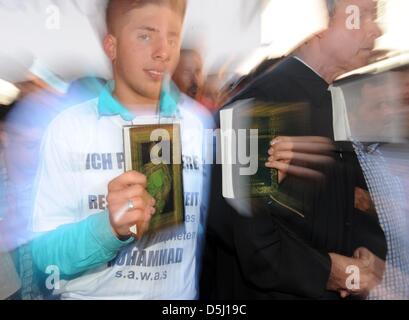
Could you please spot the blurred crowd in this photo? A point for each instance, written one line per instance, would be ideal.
(378, 109)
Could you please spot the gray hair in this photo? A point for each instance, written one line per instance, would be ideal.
(331, 6)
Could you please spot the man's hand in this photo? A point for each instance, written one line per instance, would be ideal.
(338, 277)
(129, 188)
(371, 270)
(299, 155)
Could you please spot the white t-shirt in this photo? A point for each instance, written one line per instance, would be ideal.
(82, 153)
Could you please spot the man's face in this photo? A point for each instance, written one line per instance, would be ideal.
(351, 38)
(384, 107)
(145, 47)
(189, 74)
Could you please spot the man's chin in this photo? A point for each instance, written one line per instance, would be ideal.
(368, 56)
(362, 60)
(153, 94)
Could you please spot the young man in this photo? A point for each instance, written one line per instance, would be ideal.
(81, 185)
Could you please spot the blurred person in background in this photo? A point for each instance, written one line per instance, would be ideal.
(211, 93)
(188, 75)
(189, 78)
(41, 99)
(9, 280)
(283, 255)
(379, 115)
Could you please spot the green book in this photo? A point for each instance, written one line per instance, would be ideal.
(247, 129)
(160, 160)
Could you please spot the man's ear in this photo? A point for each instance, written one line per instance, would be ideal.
(110, 46)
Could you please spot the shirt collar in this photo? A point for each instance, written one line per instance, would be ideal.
(307, 65)
(311, 80)
(109, 106)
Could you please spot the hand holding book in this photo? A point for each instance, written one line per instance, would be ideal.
(300, 156)
(130, 204)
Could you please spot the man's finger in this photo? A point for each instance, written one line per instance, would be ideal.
(297, 156)
(305, 147)
(363, 253)
(295, 170)
(127, 179)
(305, 139)
(120, 196)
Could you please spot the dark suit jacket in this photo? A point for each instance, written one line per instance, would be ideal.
(277, 253)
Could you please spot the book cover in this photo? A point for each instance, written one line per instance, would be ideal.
(155, 151)
(247, 129)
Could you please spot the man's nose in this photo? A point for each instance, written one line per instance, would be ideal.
(161, 50)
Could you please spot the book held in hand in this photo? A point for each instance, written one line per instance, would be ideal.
(155, 151)
(247, 129)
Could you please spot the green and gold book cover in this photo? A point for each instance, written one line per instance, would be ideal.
(261, 122)
(155, 151)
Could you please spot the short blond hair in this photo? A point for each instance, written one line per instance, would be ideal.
(117, 8)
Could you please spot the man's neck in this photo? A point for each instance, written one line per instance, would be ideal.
(134, 102)
(312, 54)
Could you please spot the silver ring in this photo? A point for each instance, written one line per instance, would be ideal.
(130, 205)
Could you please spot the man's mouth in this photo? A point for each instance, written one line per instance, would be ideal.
(155, 75)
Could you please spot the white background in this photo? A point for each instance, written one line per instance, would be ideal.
(230, 33)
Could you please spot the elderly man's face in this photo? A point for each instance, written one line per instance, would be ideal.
(350, 47)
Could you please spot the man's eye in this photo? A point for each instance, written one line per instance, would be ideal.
(144, 37)
(173, 42)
